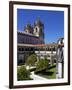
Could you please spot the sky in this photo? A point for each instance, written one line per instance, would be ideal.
(53, 22)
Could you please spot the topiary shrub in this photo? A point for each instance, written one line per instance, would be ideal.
(42, 65)
(31, 60)
(23, 74)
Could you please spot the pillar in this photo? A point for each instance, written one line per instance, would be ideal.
(59, 63)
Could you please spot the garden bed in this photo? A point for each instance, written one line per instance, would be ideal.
(49, 73)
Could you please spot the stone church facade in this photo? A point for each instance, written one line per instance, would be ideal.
(32, 34)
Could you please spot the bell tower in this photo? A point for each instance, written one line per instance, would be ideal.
(39, 29)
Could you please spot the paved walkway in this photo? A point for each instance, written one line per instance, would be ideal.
(36, 77)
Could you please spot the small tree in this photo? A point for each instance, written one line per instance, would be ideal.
(31, 60)
(23, 73)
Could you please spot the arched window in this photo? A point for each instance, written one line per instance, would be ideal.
(36, 29)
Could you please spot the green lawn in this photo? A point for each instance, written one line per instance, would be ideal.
(50, 73)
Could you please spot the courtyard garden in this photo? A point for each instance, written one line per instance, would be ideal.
(41, 68)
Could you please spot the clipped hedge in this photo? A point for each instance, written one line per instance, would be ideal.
(32, 69)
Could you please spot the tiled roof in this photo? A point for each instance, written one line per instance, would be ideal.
(26, 33)
(39, 45)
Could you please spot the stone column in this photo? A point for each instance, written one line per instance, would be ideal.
(51, 56)
(59, 64)
(39, 53)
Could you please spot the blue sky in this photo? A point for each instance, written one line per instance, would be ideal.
(53, 22)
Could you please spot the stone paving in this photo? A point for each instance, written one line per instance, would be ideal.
(36, 77)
